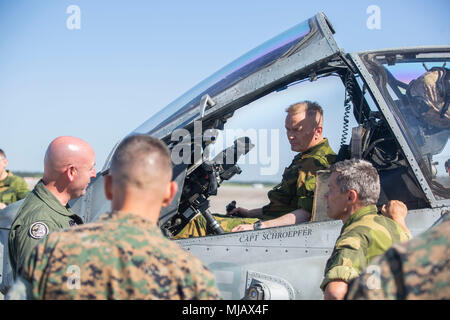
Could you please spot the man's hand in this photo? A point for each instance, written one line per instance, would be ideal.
(242, 227)
(335, 290)
(397, 211)
(394, 209)
(239, 212)
(246, 213)
(2, 206)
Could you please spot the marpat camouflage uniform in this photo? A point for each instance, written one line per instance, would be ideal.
(122, 256)
(364, 235)
(295, 191)
(39, 214)
(417, 269)
(12, 189)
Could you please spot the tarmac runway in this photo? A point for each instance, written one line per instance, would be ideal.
(249, 197)
(246, 196)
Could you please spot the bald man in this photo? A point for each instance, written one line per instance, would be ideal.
(124, 255)
(68, 168)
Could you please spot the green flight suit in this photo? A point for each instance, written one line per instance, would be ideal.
(365, 235)
(12, 189)
(40, 214)
(295, 191)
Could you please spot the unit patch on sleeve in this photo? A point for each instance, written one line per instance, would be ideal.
(38, 230)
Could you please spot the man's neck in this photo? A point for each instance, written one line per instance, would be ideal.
(62, 196)
(351, 211)
(136, 207)
(3, 175)
(315, 143)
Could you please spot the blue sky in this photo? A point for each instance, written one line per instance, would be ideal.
(132, 58)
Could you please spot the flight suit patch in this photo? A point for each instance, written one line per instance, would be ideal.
(38, 230)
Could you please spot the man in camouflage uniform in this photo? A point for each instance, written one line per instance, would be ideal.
(291, 201)
(12, 188)
(354, 188)
(124, 255)
(68, 168)
(417, 269)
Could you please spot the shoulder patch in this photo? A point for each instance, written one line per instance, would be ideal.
(38, 230)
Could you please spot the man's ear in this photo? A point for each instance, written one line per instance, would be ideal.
(318, 131)
(71, 172)
(107, 183)
(170, 194)
(352, 197)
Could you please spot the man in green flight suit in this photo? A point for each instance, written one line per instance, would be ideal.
(354, 189)
(12, 188)
(68, 168)
(291, 201)
(124, 255)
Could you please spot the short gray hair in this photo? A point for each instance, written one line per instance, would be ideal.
(358, 175)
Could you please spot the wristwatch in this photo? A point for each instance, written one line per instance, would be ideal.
(257, 225)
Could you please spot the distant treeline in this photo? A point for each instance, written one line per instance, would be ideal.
(269, 184)
(266, 184)
(32, 174)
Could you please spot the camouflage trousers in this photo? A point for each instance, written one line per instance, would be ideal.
(197, 227)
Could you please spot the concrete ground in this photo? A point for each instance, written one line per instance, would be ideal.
(249, 197)
(246, 196)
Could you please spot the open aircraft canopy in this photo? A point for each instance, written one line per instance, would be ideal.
(262, 69)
